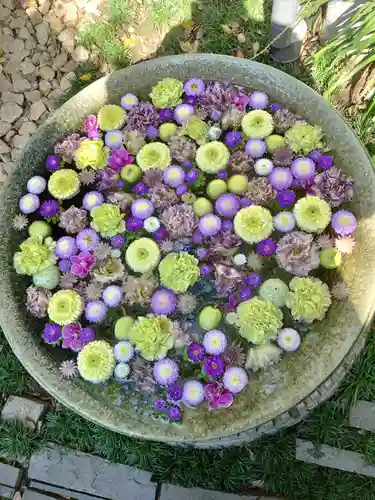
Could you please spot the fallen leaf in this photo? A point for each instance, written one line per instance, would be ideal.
(256, 47)
(234, 25)
(188, 47)
(86, 77)
(129, 42)
(227, 30)
(188, 24)
(241, 38)
(239, 53)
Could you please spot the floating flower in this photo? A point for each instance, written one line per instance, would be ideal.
(193, 393)
(266, 247)
(112, 295)
(289, 339)
(344, 223)
(257, 124)
(210, 225)
(91, 153)
(303, 138)
(107, 219)
(174, 413)
(93, 291)
(152, 336)
(345, 244)
(163, 301)
(111, 117)
(259, 190)
(36, 254)
(194, 87)
(262, 356)
(217, 396)
(68, 369)
(53, 163)
(166, 371)
(297, 253)
(312, 214)
(258, 100)
(160, 404)
(281, 178)
(263, 167)
(154, 155)
(91, 127)
(20, 222)
(213, 366)
(215, 342)
(111, 270)
(123, 351)
(134, 224)
(73, 220)
(340, 290)
(303, 168)
(330, 258)
(233, 355)
(96, 361)
(167, 93)
(182, 113)
(51, 333)
(142, 255)
(87, 240)
(142, 208)
(121, 372)
(284, 222)
(179, 271)
(308, 300)
(119, 158)
(259, 320)
(187, 303)
(29, 203)
(196, 352)
(128, 101)
(37, 301)
(212, 157)
(49, 208)
(227, 205)
(67, 280)
(182, 148)
(138, 290)
(75, 337)
(48, 278)
(36, 184)
(253, 224)
(65, 306)
(254, 261)
(333, 186)
(95, 311)
(235, 379)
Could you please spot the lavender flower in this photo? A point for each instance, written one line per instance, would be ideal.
(67, 147)
(73, 220)
(283, 157)
(141, 116)
(333, 186)
(196, 352)
(49, 208)
(297, 253)
(179, 220)
(174, 413)
(106, 178)
(182, 148)
(37, 301)
(174, 392)
(241, 162)
(91, 127)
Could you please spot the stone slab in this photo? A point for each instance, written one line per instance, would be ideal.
(362, 416)
(49, 488)
(85, 473)
(6, 492)
(170, 492)
(328, 456)
(24, 410)
(10, 476)
(35, 495)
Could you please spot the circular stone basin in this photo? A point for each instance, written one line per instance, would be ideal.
(325, 354)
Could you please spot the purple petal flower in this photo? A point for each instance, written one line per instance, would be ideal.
(174, 392)
(163, 301)
(253, 279)
(140, 188)
(65, 247)
(113, 139)
(191, 99)
(134, 224)
(29, 203)
(95, 311)
(255, 148)
(112, 295)
(303, 168)
(174, 176)
(82, 264)
(181, 189)
(119, 158)
(245, 292)
(128, 101)
(51, 333)
(315, 155)
(92, 199)
(227, 205)
(161, 234)
(174, 413)
(53, 163)
(87, 239)
(193, 393)
(325, 162)
(192, 176)
(222, 174)
(91, 127)
(217, 396)
(286, 198)
(49, 208)
(152, 132)
(275, 107)
(240, 100)
(227, 226)
(213, 366)
(281, 178)
(117, 241)
(87, 334)
(344, 223)
(142, 208)
(165, 114)
(166, 371)
(206, 269)
(160, 404)
(266, 247)
(65, 265)
(245, 202)
(233, 139)
(182, 113)
(72, 337)
(235, 379)
(196, 352)
(258, 100)
(194, 87)
(209, 225)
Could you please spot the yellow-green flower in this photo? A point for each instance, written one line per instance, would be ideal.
(212, 157)
(142, 255)
(35, 255)
(196, 129)
(167, 93)
(308, 300)
(259, 320)
(64, 184)
(179, 271)
(65, 306)
(304, 138)
(253, 224)
(312, 214)
(107, 220)
(91, 153)
(111, 117)
(154, 155)
(152, 336)
(96, 362)
(166, 130)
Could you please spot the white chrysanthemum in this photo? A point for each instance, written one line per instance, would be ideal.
(239, 259)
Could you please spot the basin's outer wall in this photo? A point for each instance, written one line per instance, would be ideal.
(335, 341)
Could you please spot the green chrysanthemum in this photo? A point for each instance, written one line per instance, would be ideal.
(312, 214)
(196, 129)
(96, 362)
(253, 224)
(35, 255)
(154, 155)
(257, 123)
(304, 138)
(48, 278)
(64, 184)
(111, 117)
(91, 153)
(179, 271)
(259, 320)
(142, 255)
(107, 220)
(212, 157)
(152, 336)
(65, 306)
(167, 93)
(308, 300)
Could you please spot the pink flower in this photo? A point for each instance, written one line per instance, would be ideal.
(240, 100)
(72, 337)
(119, 158)
(217, 396)
(91, 127)
(82, 264)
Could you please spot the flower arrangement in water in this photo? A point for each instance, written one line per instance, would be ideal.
(175, 247)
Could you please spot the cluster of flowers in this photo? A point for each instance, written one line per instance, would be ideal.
(181, 215)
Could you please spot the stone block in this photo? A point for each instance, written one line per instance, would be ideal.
(170, 492)
(49, 488)
(85, 473)
(328, 456)
(35, 495)
(24, 410)
(362, 416)
(10, 476)
(7, 492)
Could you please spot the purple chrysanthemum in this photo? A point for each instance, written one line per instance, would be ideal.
(141, 116)
(53, 163)
(91, 127)
(267, 247)
(213, 366)
(233, 139)
(286, 198)
(324, 162)
(49, 208)
(106, 178)
(253, 279)
(166, 371)
(174, 392)
(133, 224)
(87, 239)
(196, 352)
(65, 265)
(166, 114)
(344, 223)
(117, 241)
(51, 333)
(160, 404)
(66, 247)
(95, 311)
(258, 100)
(194, 87)
(163, 302)
(333, 186)
(174, 413)
(140, 188)
(245, 292)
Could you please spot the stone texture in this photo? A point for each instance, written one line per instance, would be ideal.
(4, 128)
(35, 495)
(20, 141)
(24, 410)
(4, 148)
(21, 85)
(9, 112)
(328, 456)
(42, 33)
(33, 96)
(6, 491)
(10, 97)
(36, 110)
(96, 476)
(60, 60)
(169, 492)
(46, 73)
(362, 416)
(45, 87)
(28, 128)
(34, 15)
(49, 488)
(80, 54)
(27, 67)
(10, 476)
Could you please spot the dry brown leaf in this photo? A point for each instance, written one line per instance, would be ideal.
(199, 34)
(227, 30)
(234, 25)
(241, 38)
(188, 47)
(239, 53)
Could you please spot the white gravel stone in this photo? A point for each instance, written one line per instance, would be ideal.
(47, 73)
(20, 84)
(55, 23)
(10, 111)
(66, 81)
(10, 97)
(15, 46)
(5, 84)
(20, 141)
(17, 23)
(27, 67)
(4, 148)
(69, 66)
(66, 38)
(36, 110)
(4, 13)
(45, 87)
(8, 3)
(10, 135)
(33, 96)
(44, 6)
(70, 17)
(24, 34)
(80, 54)
(60, 60)
(42, 33)
(34, 15)
(28, 128)
(4, 128)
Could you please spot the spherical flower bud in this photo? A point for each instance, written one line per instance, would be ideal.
(235, 379)
(253, 279)
(182, 112)
(66, 247)
(193, 394)
(214, 133)
(166, 371)
(121, 371)
(112, 295)
(36, 184)
(163, 301)
(281, 178)
(216, 188)
(238, 184)
(215, 342)
(174, 176)
(181, 190)
(289, 339)
(95, 311)
(227, 226)
(303, 168)
(330, 258)
(174, 413)
(284, 222)
(123, 351)
(151, 224)
(239, 259)
(263, 166)
(142, 208)
(92, 199)
(255, 148)
(166, 130)
(258, 100)
(128, 101)
(209, 317)
(209, 225)
(344, 223)
(29, 203)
